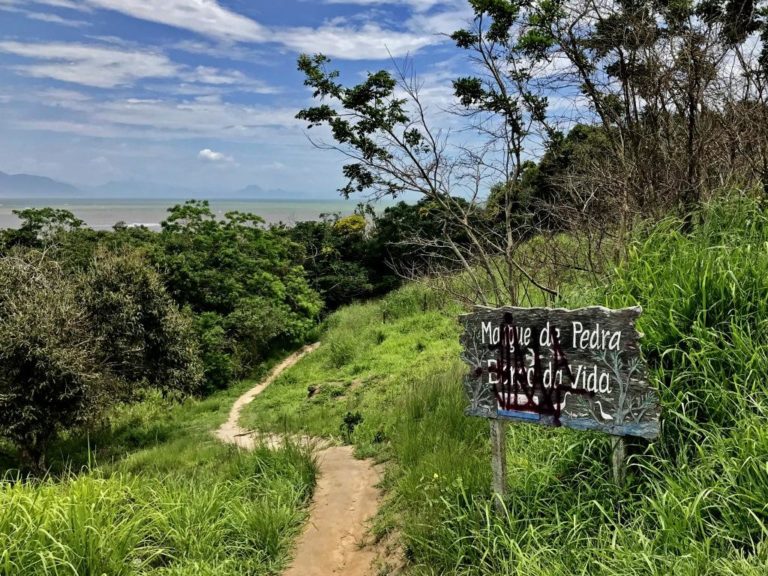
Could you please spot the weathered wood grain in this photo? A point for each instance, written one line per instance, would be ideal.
(576, 368)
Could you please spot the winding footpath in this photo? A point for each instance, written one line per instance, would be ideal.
(345, 498)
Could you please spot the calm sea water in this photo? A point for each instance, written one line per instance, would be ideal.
(103, 214)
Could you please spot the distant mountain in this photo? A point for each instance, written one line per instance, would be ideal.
(26, 185)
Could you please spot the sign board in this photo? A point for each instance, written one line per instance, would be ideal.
(576, 368)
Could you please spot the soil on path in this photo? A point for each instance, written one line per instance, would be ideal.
(345, 499)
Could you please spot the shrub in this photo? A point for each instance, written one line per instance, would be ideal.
(49, 373)
(144, 338)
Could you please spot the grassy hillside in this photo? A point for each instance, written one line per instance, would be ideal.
(370, 353)
(695, 501)
(158, 495)
(161, 497)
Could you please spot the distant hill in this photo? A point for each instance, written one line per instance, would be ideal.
(26, 185)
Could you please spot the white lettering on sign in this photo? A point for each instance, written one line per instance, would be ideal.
(592, 380)
(492, 335)
(596, 339)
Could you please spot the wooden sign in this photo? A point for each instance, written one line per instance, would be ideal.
(576, 368)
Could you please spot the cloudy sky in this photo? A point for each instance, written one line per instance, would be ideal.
(195, 93)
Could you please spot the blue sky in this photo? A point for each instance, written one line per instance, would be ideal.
(196, 93)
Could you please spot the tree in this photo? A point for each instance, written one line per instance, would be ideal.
(40, 226)
(144, 340)
(648, 96)
(339, 258)
(243, 273)
(394, 149)
(50, 378)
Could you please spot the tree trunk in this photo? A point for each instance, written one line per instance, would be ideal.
(32, 459)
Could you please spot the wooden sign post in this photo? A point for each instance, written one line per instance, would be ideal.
(554, 367)
(499, 461)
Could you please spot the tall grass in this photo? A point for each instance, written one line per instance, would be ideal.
(161, 497)
(696, 500)
(239, 520)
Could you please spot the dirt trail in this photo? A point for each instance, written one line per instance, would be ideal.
(345, 498)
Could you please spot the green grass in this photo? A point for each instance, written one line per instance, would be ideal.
(160, 496)
(696, 500)
(166, 499)
(370, 353)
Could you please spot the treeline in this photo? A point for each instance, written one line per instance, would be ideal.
(91, 318)
(584, 118)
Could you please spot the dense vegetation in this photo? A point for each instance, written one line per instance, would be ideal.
(585, 118)
(695, 499)
(388, 379)
(120, 351)
(157, 494)
(90, 318)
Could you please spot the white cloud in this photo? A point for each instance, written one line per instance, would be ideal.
(54, 19)
(160, 119)
(366, 41)
(444, 22)
(103, 66)
(90, 65)
(203, 118)
(15, 6)
(205, 17)
(208, 155)
(226, 51)
(369, 42)
(209, 75)
(418, 5)
(68, 4)
(9, 6)
(66, 99)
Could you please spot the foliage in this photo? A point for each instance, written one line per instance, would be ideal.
(370, 352)
(384, 127)
(50, 378)
(542, 202)
(159, 496)
(72, 343)
(349, 423)
(704, 319)
(243, 274)
(143, 338)
(337, 257)
(369, 112)
(695, 499)
(40, 226)
(402, 227)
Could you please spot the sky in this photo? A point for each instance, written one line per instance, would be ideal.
(197, 93)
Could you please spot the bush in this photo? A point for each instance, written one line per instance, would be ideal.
(143, 337)
(220, 366)
(49, 373)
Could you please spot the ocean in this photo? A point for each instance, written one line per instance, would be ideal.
(103, 214)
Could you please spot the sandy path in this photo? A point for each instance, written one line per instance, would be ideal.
(345, 498)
